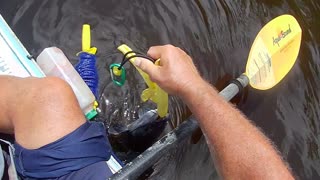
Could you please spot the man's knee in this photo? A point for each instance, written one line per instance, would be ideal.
(34, 99)
(37, 93)
(45, 92)
(46, 113)
(55, 91)
(53, 87)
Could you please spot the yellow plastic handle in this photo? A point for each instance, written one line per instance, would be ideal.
(153, 92)
(86, 40)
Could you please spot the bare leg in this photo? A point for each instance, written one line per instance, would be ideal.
(38, 111)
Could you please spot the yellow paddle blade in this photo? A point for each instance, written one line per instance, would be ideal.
(86, 40)
(153, 92)
(274, 52)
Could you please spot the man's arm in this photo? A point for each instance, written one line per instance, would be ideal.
(240, 150)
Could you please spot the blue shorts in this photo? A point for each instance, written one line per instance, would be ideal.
(81, 154)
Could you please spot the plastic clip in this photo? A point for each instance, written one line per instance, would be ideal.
(117, 73)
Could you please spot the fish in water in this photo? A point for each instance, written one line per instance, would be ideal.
(140, 134)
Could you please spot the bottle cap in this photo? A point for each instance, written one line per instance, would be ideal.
(91, 114)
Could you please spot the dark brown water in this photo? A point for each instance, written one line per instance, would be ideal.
(218, 35)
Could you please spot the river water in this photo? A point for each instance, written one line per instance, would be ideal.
(218, 35)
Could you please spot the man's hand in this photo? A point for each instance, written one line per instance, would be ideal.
(176, 73)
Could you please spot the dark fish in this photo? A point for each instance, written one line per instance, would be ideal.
(138, 135)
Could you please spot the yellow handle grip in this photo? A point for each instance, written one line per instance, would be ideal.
(86, 40)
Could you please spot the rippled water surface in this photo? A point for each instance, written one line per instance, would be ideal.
(218, 35)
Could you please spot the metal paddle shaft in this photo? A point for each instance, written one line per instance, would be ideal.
(233, 88)
(149, 157)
